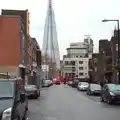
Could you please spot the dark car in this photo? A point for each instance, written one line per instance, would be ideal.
(13, 101)
(94, 89)
(32, 91)
(75, 83)
(110, 93)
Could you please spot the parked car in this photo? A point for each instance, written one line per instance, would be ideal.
(13, 100)
(110, 93)
(57, 82)
(47, 83)
(82, 86)
(75, 83)
(54, 80)
(69, 83)
(32, 91)
(94, 89)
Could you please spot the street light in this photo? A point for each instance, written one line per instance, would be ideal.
(118, 41)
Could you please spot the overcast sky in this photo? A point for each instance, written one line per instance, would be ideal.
(74, 18)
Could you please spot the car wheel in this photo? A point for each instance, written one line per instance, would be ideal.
(101, 99)
(25, 116)
(36, 97)
(18, 118)
(89, 93)
(109, 101)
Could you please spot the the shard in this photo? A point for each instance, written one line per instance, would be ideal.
(50, 48)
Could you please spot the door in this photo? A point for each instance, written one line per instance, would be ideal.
(23, 105)
(105, 92)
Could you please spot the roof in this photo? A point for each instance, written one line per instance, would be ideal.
(35, 43)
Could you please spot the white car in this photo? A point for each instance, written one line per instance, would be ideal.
(46, 83)
(83, 86)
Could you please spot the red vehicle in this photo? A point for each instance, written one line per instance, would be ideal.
(57, 81)
(66, 79)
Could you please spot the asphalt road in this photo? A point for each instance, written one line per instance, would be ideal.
(66, 103)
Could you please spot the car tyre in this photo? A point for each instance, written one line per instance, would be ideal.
(101, 99)
(109, 101)
(36, 97)
(18, 118)
(25, 116)
(89, 93)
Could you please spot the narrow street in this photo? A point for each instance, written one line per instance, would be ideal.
(66, 103)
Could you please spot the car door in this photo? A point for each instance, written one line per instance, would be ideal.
(88, 89)
(23, 104)
(105, 92)
(18, 105)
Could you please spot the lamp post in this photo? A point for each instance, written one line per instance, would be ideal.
(118, 45)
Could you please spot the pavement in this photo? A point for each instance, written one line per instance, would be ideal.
(60, 102)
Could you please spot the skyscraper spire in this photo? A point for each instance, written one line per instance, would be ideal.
(50, 48)
(50, 3)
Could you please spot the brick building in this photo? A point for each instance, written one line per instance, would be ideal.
(25, 18)
(22, 52)
(34, 57)
(12, 50)
(107, 59)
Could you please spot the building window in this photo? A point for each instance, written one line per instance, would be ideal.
(85, 73)
(95, 69)
(66, 74)
(80, 68)
(81, 74)
(76, 56)
(66, 62)
(72, 62)
(95, 60)
(85, 67)
(80, 62)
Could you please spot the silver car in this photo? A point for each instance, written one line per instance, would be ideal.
(47, 83)
(83, 86)
(32, 91)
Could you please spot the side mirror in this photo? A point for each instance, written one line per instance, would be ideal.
(22, 97)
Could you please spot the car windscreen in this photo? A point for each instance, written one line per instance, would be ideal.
(47, 81)
(30, 87)
(6, 89)
(84, 83)
(114, 87)
(95, 86)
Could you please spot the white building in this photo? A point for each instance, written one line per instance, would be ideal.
(76, 60)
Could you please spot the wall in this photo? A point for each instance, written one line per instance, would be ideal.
(10, 50)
